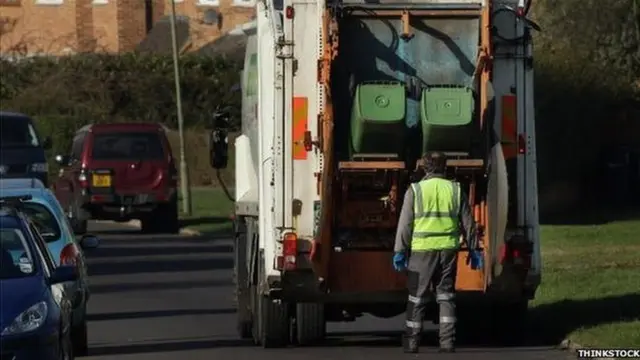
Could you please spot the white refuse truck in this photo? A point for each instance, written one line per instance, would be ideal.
(340, 99)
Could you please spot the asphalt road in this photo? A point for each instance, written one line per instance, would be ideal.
(170, 298)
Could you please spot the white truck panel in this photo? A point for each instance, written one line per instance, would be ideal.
(266, 113)
(246, 190)
(306, 32)
(512, 76)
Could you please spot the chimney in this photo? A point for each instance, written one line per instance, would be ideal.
(85, 37)
(131, 21)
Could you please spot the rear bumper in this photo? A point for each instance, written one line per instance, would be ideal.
(43, 345)
(121, 205)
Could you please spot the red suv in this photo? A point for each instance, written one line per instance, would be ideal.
(119, 172)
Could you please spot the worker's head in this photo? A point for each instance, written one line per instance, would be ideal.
(434, 162)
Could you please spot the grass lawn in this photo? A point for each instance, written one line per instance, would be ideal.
(211, 211)
(590, 290)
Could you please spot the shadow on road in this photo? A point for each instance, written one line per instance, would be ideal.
(204, 220)
(157, 286)
(589, 215)
(553, 322)
(166, 347)
(121, 230)
(124, 251)
(154, 266)
(157, 313)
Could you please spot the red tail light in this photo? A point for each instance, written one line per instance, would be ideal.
(516, 254)
(522, 144)
(83, 179)
(289, 12)
(69, 255)
(289, 251)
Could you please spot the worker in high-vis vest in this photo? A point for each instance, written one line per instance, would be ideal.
(434, 212)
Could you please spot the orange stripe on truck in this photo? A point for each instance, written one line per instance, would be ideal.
(509, 137)
(300, 119)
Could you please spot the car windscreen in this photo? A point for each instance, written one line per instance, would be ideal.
(43, 219)
(17, 131)
(16, 260)
(124, 146)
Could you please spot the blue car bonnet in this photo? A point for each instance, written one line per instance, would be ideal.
(17, 295)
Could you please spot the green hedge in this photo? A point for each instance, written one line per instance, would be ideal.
(63, 94)
(587, 99)
(98, 88)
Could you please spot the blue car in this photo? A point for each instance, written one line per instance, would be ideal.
(36, 312)
(46, 213)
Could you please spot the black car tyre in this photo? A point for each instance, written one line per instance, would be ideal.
(169, 217)
(79, 225)
(80, 339)
(164, 219)
(66, 347)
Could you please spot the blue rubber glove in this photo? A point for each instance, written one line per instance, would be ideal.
(399, 261)
(476, 259)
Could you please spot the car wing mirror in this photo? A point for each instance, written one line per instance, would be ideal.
(64, 273)
(89, 242)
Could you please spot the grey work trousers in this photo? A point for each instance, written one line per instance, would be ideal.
(437, 268)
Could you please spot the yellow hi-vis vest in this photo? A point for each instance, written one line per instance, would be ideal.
(436, 203)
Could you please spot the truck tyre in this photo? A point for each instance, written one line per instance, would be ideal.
(310, 323)
(164, 219)
(79, 223)
(256, 330)
(509, 322)
(168, 220)
(240, 280)
(273, 317)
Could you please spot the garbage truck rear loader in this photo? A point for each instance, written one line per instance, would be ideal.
(340, 99)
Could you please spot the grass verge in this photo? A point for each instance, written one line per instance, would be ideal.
(590, 290)
(211, 211)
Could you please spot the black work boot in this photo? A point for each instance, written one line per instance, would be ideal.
(446, 349)
(411, 343)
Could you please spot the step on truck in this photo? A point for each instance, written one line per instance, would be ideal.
(340, 100)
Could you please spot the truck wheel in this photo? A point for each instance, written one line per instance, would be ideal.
(167, 220)
(274, 317)
(509, 321)
(240, 279)
(310, 323)
(256, 329)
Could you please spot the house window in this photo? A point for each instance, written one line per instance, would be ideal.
(100, 2)
(244, 3)
(209, 2)
(9, 2)
(49, 2)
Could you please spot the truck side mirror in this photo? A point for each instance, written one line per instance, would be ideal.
(218, 149)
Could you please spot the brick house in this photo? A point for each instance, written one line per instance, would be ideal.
(59, 27)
